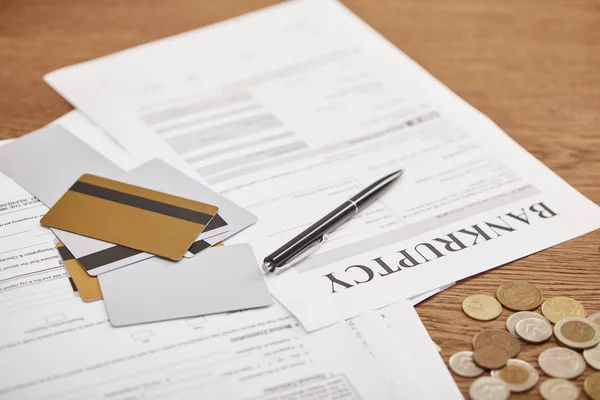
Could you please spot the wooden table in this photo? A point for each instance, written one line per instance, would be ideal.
(532, 66)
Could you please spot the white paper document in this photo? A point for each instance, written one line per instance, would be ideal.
(69, 351)
(290, 110)
(397, 339)
(28, 256)
(54, 346)
(87, 132)
(80, 126)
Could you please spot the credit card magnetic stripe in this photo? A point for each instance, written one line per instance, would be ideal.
(66, 255)
(140, 202)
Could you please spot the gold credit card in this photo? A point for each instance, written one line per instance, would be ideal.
(87, 286)
(131, 216)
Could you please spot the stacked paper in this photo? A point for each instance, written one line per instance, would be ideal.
(109, 204)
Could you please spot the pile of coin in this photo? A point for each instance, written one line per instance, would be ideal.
(495, 350)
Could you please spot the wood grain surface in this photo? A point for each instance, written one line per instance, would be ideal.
(532, 66)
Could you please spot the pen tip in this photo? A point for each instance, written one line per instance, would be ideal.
(397, 174)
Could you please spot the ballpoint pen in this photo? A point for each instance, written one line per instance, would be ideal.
(316, 234)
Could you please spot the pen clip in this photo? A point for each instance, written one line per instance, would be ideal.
(301, 256)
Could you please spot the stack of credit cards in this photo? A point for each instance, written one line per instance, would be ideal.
(154, 220)
(131, 216)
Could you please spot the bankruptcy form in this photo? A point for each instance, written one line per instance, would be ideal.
(292, 109)
(55, 346)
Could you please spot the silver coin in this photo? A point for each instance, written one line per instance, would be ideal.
(592, 356)
(577, 333)
(488, 388)
(559, 389)
(513, 319)
(594, 318)
(559, 362)
(534, 330)
(462, 364)
(518, 379)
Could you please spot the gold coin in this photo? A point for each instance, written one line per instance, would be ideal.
(518, 374)
(558, 308)
(577, 332)
(490, 357)
(592, 386)
(514, 374)
(482, 307)
(519, 295)
(499, 338)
